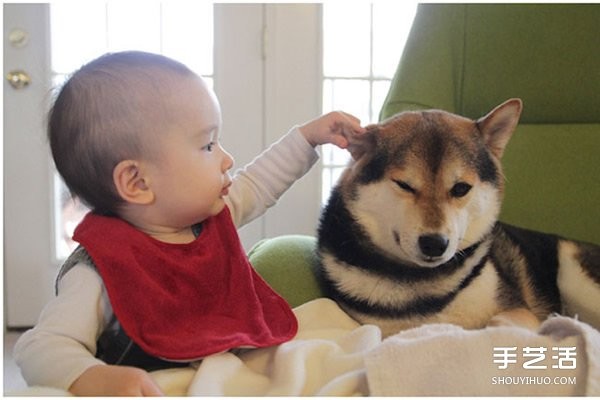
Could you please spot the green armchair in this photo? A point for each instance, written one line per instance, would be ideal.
(468, 58)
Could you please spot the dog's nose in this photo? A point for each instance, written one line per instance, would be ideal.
(433, 245)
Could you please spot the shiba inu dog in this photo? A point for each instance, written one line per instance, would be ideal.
(410, 233)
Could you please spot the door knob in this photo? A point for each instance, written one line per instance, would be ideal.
(18, 79)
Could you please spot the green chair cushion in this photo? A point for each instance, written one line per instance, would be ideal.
(287, 263)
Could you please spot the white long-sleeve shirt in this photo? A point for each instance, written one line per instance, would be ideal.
(62, 344)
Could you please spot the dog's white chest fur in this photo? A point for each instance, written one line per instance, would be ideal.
(470, 307)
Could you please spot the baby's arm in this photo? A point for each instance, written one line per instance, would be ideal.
(259, 185)
(114, 380)
(61, 347)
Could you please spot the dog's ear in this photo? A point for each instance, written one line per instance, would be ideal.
(362, 144)
(499, 124)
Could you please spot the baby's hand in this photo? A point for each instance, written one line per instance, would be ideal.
(336, 127)
(114, 380)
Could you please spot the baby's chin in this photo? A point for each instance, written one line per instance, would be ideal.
(212, 211)
(218, 206)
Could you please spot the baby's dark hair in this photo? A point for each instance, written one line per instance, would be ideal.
(100, 118)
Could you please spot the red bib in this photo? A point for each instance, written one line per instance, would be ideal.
(185, 301)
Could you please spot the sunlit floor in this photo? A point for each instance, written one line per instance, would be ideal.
(12, 376)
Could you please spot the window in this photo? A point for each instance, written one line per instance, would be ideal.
(185, 33)
(362, 43)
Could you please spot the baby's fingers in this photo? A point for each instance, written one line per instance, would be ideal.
(350, 123)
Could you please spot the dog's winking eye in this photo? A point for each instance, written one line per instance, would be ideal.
(405, 186)
(460, 189)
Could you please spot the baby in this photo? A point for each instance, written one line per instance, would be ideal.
(160, 278)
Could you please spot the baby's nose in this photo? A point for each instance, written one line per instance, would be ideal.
(228, 161)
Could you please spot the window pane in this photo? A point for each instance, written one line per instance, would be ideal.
(337, 172)
(392, 22)
(352, 96)
(326, 184)
(340, 157)
(133, 27)
(380, 91)
(188, 34)
(330, 177)
(76, 41)
(327, 155)
(346, 40)
(334, 156)
(67, 214)
(328, 104)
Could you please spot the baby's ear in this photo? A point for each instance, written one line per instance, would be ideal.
(131, 182)
(362, 144)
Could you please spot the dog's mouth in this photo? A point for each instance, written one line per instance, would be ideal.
(433, 262)
(457, 257)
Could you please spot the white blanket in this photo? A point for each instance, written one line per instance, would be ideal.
(446, 360)
(334, 355)
(326, 358)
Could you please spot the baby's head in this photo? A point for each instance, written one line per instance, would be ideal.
(110, 110)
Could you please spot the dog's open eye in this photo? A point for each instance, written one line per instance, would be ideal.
(405, 186)
(460, 189)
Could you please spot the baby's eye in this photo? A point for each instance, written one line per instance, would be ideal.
(209, 147)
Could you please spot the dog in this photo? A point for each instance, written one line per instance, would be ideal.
(410, 234)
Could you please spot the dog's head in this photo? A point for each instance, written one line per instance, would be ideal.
(427, 184)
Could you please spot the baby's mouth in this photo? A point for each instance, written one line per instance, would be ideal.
(225, 190)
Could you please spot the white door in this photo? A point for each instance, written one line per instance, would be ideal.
(28, 268)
